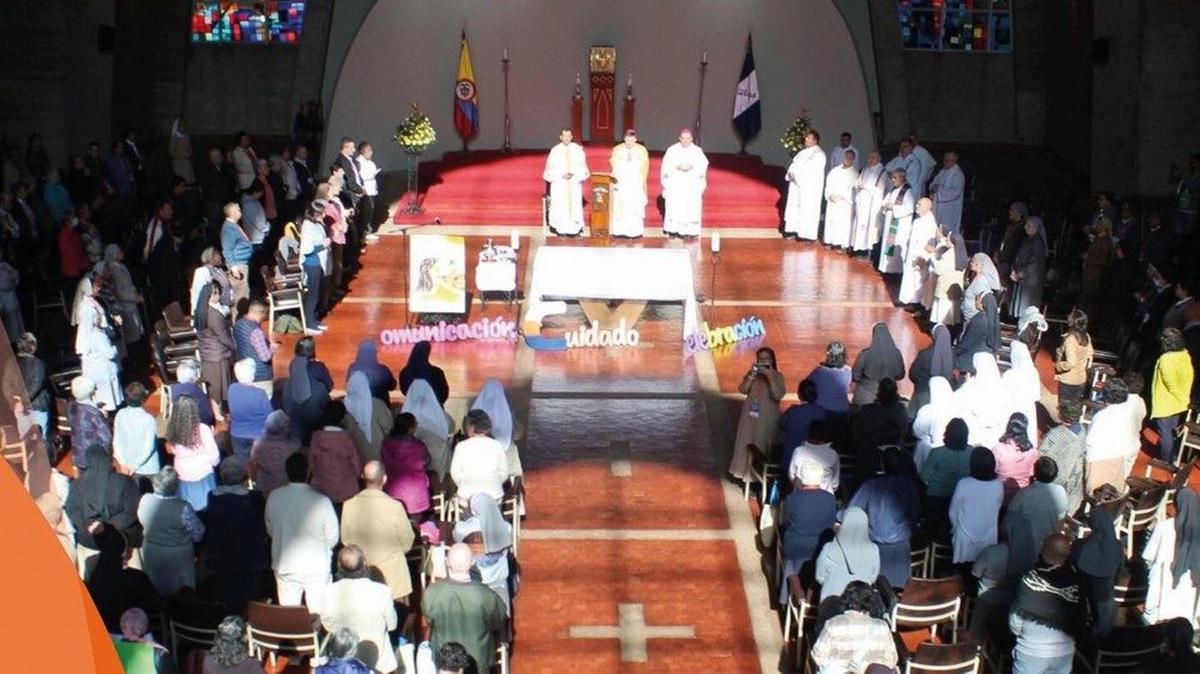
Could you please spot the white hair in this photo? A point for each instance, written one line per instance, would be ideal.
(82, 388)
(243, 370)
(187, 372)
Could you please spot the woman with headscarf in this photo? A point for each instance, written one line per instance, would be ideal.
(492, 399)
(981, 334)
(215, 343)
(1023, 385)
(171, 530)
(306, 392)
(369, 419)
(419, 367)
(229, 654)
(180, 149)
(99, 360)
(194, 447)
(832, 378)
(935, 360)
(270, 453)
(1031, 324)
(975, 507)
(1173, 556)
(892, 501)
(1099, 558)
(1029, 268)
(883, 422)
(335, 461)
(114, 586)
(98, 500)
(763, 387)
(406, 462)
(492, 545)
(125, 296)
(434, 426)
(982, 402)
(1014, 234)
(805, 521)
(985, 278)
(850, 556)
(929, 426)
(1015, 456)
(379, 377)
(949, 267)
(881, 360)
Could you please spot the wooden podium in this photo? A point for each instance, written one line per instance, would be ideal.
(602, 191)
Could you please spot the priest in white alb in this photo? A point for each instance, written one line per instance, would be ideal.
(566, 170)
(684, 177)
(947, 192)
(897, 224)
(630, 167)
(916, 286)
(839, 201)
(806, 188)
(870, 187)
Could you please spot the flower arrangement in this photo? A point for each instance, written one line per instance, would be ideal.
(415, 134)
(793, 137)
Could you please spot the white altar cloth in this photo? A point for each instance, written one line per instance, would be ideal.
(593, 273)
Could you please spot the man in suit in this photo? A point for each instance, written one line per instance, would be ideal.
(379, 525)
(304, 174)
(352, 191)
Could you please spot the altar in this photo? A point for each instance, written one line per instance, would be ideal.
(596, 276)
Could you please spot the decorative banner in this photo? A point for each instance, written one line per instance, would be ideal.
(485, 329)
(586, 337)
(747, 328)
(603, 80)
(436, 274)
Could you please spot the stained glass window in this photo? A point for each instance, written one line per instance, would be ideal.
(262, 22)
(956, 25)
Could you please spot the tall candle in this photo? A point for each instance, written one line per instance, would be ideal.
(515, 240)
(506, 53)
(704, 57)
(716, 242)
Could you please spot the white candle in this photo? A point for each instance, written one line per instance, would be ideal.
(704, 57)
(515, 240)
(716, 242)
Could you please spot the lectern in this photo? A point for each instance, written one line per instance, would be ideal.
(602, 190)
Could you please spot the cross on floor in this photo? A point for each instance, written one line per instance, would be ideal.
(633, 632)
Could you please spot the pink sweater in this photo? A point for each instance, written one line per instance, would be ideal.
(195, 462)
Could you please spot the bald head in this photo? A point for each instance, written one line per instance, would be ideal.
(374, 475)
(1056, 550)
(924, 205)
(459, 560)
(352, 563)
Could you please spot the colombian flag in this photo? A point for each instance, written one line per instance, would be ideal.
(466, 100)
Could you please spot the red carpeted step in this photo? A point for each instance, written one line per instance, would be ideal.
(493, 188)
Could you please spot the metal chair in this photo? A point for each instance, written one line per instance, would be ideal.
(928, 603)
(1122, 649)
(281, 630)
(761, 470)
(281, 297)
(799, 611)
(961, 658)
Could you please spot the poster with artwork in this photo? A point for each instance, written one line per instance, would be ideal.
(437, 276)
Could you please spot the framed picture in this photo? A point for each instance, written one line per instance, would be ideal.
(437, 278)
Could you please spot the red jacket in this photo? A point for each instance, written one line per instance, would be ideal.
(72, 259)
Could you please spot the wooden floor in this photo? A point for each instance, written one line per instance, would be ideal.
(630, 525)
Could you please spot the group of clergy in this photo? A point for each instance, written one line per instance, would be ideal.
(683, 174)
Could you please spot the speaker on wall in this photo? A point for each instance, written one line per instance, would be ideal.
(105, 38)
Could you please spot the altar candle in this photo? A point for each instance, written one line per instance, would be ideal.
(506, 53)
(716, 242)
(515, 240)
(704, 57)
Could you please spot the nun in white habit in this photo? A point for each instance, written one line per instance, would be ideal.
(984, 402)
(1023, 386)
(491, 399)
(930, 423)
(434, 426)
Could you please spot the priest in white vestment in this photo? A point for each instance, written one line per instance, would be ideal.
(906, 161)
(897, 217)
(630, 166)
(839, 201)
(566, 170)
(916, 286)
(927, 163)
(870, 188)
(844, 144)
(684, 177)
(806, 188)
(947, 192)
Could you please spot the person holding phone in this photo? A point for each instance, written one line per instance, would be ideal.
(763, 387)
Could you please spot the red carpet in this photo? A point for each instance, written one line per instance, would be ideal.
(493, 188)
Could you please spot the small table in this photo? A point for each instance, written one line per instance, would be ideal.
(496, 272)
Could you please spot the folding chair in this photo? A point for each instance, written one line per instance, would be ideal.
(1122, 649)
(962, 658)
(281, 630)
(281, 297)
(761, 470)
(929, 603)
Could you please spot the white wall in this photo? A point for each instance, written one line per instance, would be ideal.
(407, 51)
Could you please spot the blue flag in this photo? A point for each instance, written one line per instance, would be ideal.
(747, 109)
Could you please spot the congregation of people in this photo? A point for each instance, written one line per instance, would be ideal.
(241, 488)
